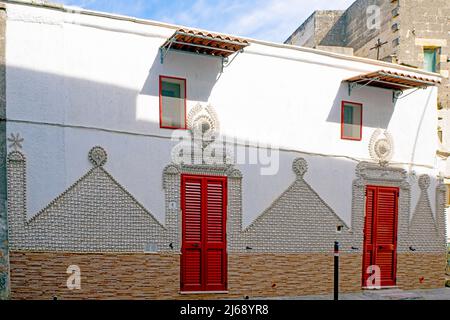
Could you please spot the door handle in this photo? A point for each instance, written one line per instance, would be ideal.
(195, 245)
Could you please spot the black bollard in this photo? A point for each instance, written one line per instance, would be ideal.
(336, 271)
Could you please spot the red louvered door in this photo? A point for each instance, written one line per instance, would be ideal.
(191, 252)
(203, 253)
(368, 255)
(380, 233)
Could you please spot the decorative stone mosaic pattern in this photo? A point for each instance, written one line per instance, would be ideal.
(373, 174)
(298, 221)
(98, 215)
(424, 234)
(423, 231)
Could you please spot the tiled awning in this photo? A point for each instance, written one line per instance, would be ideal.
(206, 43)
(398, 82)
(392, 80)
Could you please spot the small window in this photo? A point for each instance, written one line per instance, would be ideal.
(396, 42)
(430, 59)
(351, 121)
(395, 27)
(172, 102)
(395, 12)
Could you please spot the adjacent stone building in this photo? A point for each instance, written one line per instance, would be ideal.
(414, 33)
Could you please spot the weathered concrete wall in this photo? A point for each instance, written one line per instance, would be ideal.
(354, 29)
(314, 29)
(426, 24)
(325, 22)
(305, 34)
(341, 50)
(4, 262)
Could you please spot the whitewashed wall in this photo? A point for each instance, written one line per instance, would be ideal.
(75, 81)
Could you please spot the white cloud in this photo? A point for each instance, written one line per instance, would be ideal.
(276, 20)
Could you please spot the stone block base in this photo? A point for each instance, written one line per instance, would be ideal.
(421, 270)
(42, 275)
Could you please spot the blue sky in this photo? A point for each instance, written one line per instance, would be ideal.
(272, 20)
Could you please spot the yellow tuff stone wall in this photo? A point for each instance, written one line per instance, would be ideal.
(42, 275)
(421, 270)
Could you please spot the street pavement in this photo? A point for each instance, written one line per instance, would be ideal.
(388, 294)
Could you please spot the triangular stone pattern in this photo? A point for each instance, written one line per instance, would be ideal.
(96, 214)
(423, 230)
(304, 222)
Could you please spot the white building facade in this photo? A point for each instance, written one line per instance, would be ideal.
(287, 158)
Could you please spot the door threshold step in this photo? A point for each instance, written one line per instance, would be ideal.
(381, 288)
(203, 292)
(392, 294)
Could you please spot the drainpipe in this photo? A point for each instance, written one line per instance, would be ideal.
(4, 252)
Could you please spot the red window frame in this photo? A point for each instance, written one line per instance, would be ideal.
(161, 77)
(343, 137)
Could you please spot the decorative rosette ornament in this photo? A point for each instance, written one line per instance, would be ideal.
(204, 124)
(98, 156)
(381, 147)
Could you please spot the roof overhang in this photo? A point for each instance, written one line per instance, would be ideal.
(203, 43)
(398, 82)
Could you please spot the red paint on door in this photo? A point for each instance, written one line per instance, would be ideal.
(203, 252)
(380, 233)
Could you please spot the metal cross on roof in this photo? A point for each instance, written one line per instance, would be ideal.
(378, 46)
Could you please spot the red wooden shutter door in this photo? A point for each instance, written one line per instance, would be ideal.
(203, 253)
(368, 258)
(216, 235)
(386, 234)
(191, 262)
(380, 233)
